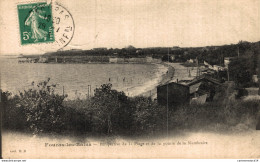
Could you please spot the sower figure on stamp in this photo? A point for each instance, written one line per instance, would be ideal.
(32, 20)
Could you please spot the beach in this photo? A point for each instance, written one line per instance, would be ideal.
(148, 89)
(171, 73)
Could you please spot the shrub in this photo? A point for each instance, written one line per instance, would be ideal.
(112, 112)
(43, 108)
(196, 116)
(77, 121)
(13, 116)
(148, 116)
(241, 70)
(241, 92)
(215, 116)
(106, 108)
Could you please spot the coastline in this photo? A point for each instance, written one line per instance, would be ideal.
(166, 76)
(165, 72)
(175, 71)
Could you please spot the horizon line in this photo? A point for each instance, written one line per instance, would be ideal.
(181, 47)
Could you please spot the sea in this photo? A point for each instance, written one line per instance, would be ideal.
(80, 80)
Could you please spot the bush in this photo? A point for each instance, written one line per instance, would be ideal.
(109, 110)
(196, 116)
(43, 108)
(13, 116)
(148, 116)
(241, 70)
(216, 116)
(241, 92)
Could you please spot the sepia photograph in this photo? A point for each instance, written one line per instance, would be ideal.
(130, 79)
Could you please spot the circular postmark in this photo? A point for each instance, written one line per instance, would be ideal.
(63, 26)
(47, 27)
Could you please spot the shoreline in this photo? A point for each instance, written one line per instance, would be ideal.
(163, 74)
(176, 71)
(168, 76)
(164, 78)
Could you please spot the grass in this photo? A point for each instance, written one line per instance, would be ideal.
(237, 115)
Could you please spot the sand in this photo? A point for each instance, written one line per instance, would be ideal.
(174, 72)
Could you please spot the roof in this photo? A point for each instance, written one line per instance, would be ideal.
(194, 81)
(28, 56)
(204, 77)
(172, 82)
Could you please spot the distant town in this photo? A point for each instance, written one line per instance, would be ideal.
(213, 55)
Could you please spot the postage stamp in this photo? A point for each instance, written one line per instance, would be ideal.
(35, 22)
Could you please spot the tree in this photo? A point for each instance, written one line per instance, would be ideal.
(43, 108)
(105, 103)
(241, 70)
(13, 117)
(148, 115)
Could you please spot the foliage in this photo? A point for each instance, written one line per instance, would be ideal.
(112, 112)
(215, 116)
(13, 117)
(43, 108)
(149, 117)
(107, 106)
(241, 92)
(241, 71)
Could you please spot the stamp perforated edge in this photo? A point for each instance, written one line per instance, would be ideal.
(40, 43)
(17, 20)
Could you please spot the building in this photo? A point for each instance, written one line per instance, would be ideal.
(172, 57)
(149, 59)
(200, 89)
(218, 68)
(172, 94)
(28, 58)
(175, 48)
(112, 59)
(227, 60)
(100, 49)
(191, 61)
(255, 79)
(43, 60)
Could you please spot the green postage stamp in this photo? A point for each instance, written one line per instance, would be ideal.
(35, 21)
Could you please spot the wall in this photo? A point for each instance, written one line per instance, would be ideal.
(177, 94)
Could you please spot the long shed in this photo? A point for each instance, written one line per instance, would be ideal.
(173, 93)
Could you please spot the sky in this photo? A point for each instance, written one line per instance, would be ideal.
(144, 23)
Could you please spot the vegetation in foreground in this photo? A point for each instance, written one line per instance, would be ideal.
(109, 112)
